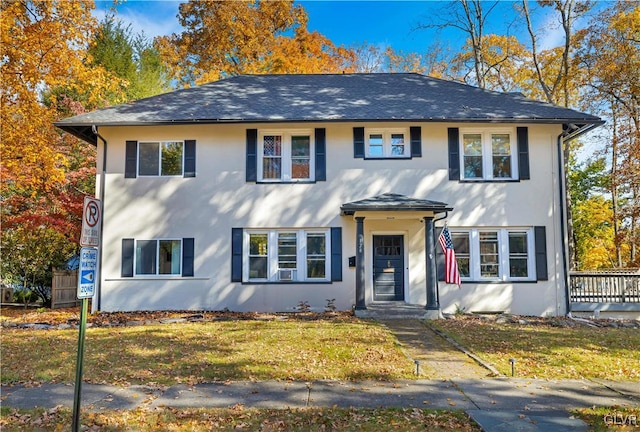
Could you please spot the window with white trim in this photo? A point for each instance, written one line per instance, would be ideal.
(160, 158)
(388, 143)
(506, 254)
(286, 156)
(158, 257)
(285, 255)
(488, 155)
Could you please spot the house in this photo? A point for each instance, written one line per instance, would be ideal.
(264, 192)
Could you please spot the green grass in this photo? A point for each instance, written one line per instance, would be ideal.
(166, 354)
(602, 419)
(240, 418)
(545, 351)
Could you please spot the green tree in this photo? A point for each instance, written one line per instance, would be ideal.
(131, 58)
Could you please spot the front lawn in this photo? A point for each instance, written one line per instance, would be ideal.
(544, 349)
(165, 354)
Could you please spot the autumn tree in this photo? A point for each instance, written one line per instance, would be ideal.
(43, 173)
(469, 17)
(610, 55)
(505, 62)
(223, 38)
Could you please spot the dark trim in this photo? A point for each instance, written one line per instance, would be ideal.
(523, 153)
(188, 256)
(189, 158)
(490, 181)
(336, 254)
(540, 238)
(321, 154)
(511, 281)
(252, 155)
(131, 159)
(358, 142)
(236, 254)
(415, 132)
(387, 158)
(128, 247)
(286, 182)
(454, 153)
(287, 283)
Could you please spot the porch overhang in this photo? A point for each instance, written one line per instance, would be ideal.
(380, 205)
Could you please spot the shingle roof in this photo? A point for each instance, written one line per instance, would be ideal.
(343, 97)
(394, 202)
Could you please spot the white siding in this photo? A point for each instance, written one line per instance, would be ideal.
(218, 199)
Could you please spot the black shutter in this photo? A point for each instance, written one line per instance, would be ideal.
(187, 256)
(321, 154)
(440, 264)
(190, 158)
(127, 257)
(336, 254)
(236, 254)
(416, 141)
(523, 153)
(541, 253)
(454, 154)
(358, 142)
(252, 155)
(131, 159)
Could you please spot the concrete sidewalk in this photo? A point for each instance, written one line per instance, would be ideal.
(497, 404)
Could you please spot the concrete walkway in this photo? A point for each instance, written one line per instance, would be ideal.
(496, 403)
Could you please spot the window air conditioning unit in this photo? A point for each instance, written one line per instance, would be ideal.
(285, 274)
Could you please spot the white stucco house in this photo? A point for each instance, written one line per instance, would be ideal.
(262, 192)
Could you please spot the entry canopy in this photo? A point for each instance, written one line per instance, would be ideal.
(394, 202)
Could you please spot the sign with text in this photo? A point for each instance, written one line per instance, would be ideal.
(87, 272)
(91, 214)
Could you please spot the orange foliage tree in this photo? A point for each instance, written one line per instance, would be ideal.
(223, 38)
(44, 175)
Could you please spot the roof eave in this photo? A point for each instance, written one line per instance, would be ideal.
(573, 130)
(85, 133)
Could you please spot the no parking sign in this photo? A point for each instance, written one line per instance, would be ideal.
(91, 215)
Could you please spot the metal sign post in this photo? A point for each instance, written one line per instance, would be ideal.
(87, 274)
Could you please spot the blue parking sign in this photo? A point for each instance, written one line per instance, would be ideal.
(87, 272)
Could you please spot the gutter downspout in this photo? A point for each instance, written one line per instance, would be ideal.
(446, 215)
(563, 224)
(97, 305)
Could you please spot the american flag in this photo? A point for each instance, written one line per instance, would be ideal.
(451, 275)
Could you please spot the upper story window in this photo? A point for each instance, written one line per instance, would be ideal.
(387, 143)
(488, 155)
(160, 158)
(164, 158)
(495, 254)
(286, 156)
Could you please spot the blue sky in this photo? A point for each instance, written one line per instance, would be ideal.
(348, 23)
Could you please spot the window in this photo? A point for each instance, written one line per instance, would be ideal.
(286, 255)
(158, 257)
(495, 254)
(285, 156)
(387, 144)
(488, 155)
(160, 158)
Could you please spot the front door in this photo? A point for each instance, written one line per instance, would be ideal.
(388, 268)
